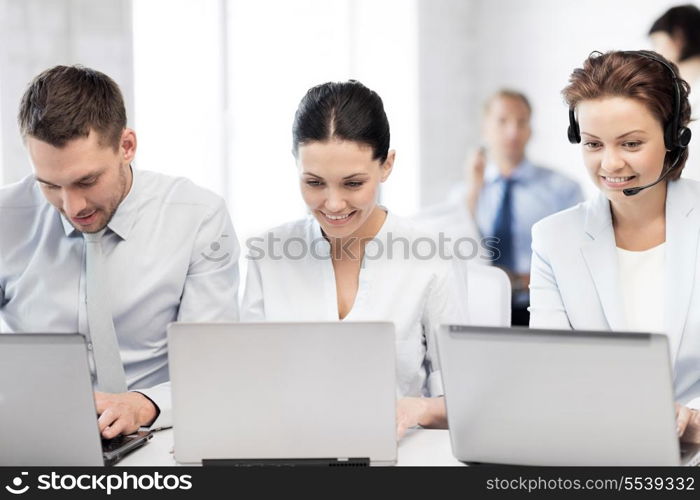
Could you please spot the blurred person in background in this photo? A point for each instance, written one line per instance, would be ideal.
(504, 194)
(676, 36)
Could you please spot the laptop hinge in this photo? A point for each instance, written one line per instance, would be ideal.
(286, 462)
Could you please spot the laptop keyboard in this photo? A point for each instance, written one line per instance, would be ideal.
(115, 443)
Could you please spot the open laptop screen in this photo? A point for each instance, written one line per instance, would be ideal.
(545, 397)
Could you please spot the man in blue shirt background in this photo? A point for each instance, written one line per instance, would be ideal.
(505, 194)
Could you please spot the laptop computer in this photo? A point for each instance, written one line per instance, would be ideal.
(546, 397)
(283, 393)
(47, 408)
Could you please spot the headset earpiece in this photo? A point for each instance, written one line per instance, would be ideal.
(573, 131)
(669, 139)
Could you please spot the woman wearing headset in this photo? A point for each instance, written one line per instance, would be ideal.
(353, 259)
(628, 259)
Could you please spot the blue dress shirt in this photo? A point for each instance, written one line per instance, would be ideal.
(536, 193)
(171, 254)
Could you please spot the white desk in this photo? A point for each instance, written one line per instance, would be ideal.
(419, 447)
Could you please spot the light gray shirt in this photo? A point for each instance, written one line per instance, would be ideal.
(171, 254)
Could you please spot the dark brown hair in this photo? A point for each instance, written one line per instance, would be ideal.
(682, 21)
(348, 111)
(66, 102)
(630, 75)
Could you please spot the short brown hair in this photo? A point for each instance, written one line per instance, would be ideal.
(507, 94)
(634, 76)
(66, 102)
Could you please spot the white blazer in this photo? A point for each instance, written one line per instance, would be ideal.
(575, 277)
(416, 294)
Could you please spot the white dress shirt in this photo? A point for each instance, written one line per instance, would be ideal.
(402, 286)
(642, 280)
(170, 252)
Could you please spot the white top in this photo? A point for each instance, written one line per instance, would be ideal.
(170, 253)
(399, 281)
(642, 279)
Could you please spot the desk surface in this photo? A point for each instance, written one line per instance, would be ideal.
(418, 447)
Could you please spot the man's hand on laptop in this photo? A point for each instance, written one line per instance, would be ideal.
(123, 413)
(426, 412)
(688, 424)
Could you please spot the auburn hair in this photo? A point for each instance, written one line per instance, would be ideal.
(633, 76)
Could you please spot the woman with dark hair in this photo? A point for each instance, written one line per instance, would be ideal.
(627, 260)
(676, 36)
(352, 259)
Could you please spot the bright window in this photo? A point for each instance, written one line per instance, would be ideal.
(217, 88)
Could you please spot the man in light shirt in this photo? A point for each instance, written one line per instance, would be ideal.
(167, 248)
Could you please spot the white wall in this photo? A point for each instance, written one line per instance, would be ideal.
(279, 49)
(38, 34)
(448, 85)
(180, 89)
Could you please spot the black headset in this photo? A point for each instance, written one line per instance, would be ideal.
(676, 136)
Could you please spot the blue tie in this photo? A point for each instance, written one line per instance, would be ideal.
(502, 228)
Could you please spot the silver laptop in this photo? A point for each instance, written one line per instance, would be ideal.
(283, 393)
(47, 407)
(546, 397)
